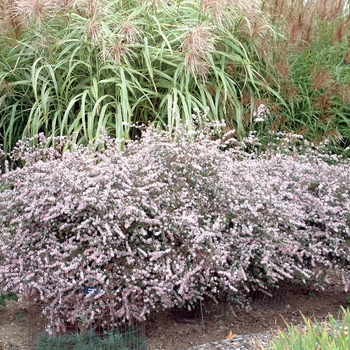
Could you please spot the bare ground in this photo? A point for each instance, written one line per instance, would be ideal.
(179, 329)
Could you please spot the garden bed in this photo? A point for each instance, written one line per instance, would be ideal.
(165, 332)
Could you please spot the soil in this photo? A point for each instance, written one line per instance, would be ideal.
(180, 329)
(170, 332)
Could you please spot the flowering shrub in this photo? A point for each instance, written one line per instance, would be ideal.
(171, 218)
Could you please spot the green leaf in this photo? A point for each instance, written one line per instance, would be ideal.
(12, 296)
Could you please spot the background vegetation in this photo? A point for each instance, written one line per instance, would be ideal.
(76, 67)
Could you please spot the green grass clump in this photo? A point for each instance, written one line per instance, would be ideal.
(330, 335)
(81, 67)
(310, 68)
(74, 68)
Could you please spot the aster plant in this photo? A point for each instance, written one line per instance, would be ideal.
(173, 217)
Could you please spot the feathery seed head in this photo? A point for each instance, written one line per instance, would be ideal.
(198, 44)
(114, 50)
(130, 33)
(34, 9)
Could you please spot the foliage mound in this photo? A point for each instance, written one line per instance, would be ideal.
(171, 218)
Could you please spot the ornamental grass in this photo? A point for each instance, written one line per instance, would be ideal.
(78, 67)
(332, 334)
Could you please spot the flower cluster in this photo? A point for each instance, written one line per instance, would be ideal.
(261, 114)
(165, 222)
